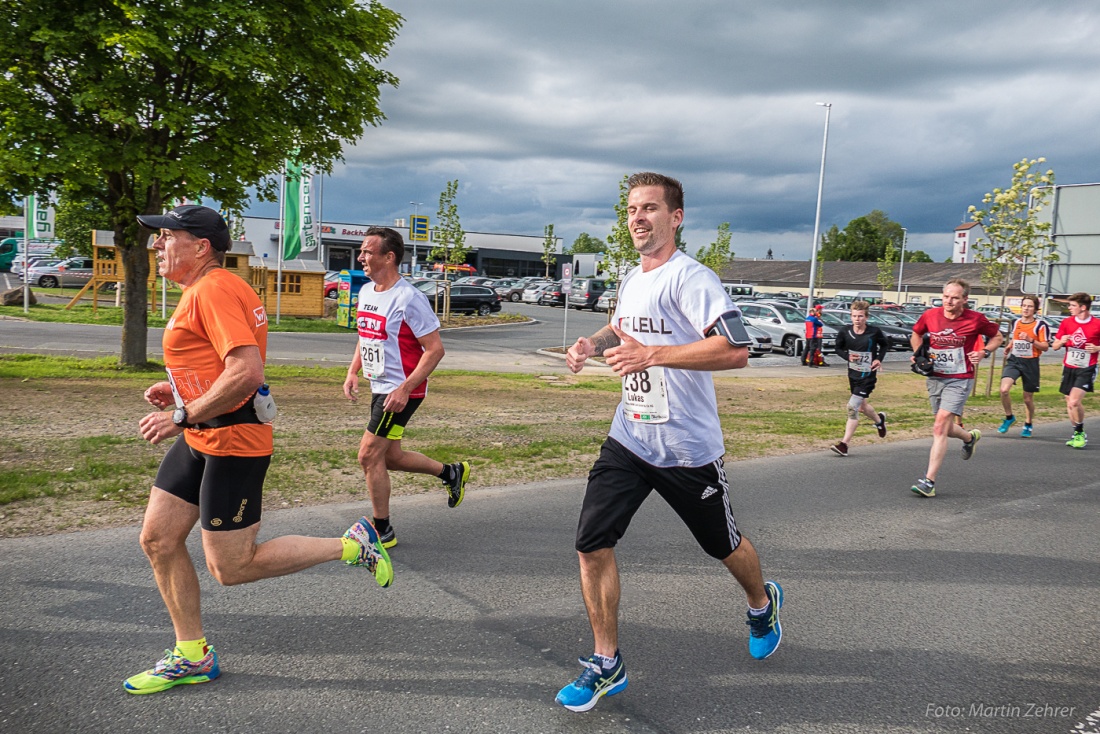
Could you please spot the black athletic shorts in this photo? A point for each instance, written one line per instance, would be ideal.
(1080, 377)
(1025, 369)
(862, 386)
(227, 489)
(390, 425)
(620, 481)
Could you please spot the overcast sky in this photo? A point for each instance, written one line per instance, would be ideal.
(539, 109)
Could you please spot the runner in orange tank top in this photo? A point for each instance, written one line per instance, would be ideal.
(1029, 338)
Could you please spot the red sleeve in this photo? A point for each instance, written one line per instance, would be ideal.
(921, 327)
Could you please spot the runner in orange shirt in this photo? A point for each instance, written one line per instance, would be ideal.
(1028, 339)
(214, 350)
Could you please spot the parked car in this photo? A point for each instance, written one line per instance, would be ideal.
(332, 284)
(510, 290)
(761, 342)
(76, 271)
(996, 312)
(465, 298)
(585, 292)
(553, 295)
(532, 293)
(785, 325)
(896, 336)
(896, 318)
(607, 299)
(34, 261)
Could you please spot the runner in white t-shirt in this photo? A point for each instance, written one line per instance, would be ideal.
(398, 348)
(673, 325)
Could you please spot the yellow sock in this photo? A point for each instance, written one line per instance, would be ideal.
(193, 650)
(351, 550)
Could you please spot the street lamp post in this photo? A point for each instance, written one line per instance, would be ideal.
(817, 218)
(416, 212)
(901, 265)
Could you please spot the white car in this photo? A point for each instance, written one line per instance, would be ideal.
(533, 293)
(785, 325)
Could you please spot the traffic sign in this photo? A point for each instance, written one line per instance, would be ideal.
(418, 228)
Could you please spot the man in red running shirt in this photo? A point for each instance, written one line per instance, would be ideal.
(955, 348)
(1080, 335)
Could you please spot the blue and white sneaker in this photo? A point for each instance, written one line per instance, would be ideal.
(595, 682)
(1026, 432)
(765, 632)
(1006, 424)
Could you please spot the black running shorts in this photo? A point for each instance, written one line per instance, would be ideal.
(227, 489)
(862, 386)
(1025, 369)
(1079, 377)
(390, 425)
(620, 481)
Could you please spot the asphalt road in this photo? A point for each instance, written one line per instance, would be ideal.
(958, 613)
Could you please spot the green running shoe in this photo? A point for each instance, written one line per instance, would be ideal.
(371, 553)
(925, 487)
(174, 670)
(968, 447)
(1079, 441)
(456, 488)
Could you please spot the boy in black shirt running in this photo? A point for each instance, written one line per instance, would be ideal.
(863, 347)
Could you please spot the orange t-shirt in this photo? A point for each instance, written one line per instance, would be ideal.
(215, 316)
(1018, 345)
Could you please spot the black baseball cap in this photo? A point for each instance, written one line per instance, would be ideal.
(201, 221)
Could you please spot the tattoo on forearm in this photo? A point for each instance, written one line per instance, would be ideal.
(604, 339)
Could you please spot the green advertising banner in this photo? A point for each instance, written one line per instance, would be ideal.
(292, 207)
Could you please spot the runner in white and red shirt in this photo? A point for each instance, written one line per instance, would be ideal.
(1080, 335)
(955, 336)
(398, 348)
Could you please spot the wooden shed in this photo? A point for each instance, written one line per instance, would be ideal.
(302, 292)
(108, 268)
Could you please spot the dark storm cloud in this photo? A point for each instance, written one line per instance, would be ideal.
(539, 109)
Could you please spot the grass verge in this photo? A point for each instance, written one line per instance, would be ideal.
(71, 458)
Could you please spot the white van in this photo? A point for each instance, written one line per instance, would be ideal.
(739, 290)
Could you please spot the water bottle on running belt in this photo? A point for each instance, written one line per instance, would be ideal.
(264, 404)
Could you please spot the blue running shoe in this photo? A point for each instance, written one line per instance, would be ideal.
(1026, 432)
(1006, 424)
(595, 682)
(765, 632)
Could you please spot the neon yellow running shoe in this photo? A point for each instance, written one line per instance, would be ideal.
(371, 552)
(1079, 441)
(174, 670)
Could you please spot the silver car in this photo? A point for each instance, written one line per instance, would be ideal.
(76, 271)
(532, 293)
(785, 325)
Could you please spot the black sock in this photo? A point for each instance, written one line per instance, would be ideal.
(382, 525)
(1079, 427)
(1009, 417)
(448, 473)
(1027, 425)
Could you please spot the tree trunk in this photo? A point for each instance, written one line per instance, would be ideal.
(135, 323)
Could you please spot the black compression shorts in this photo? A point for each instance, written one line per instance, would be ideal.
(227, 489)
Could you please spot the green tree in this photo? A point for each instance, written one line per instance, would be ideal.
(549, 244)
(134, 103)
(917, 256)
(863, 239)
(887, 275)
(75, 221)
(717, 255)
(621, 254)
(1015, 234)
(586, 243)
(450, 239)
